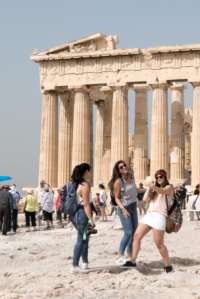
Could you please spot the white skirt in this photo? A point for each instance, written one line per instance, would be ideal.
(155, 220)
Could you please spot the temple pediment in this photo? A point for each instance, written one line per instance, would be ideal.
(90, 43)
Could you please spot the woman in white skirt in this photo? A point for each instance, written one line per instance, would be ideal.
(155, 219)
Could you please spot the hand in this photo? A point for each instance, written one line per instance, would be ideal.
(11, 211)
(91, 225)
(149, 183)
(125, 213)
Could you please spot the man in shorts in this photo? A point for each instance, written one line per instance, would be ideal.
(141, 203)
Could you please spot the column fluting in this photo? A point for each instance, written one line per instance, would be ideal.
(141, 132)
(81, 128)
(99, 142)
(177, 154)
(65, 138)
(48, 169)
(119, 136)
(159, 130)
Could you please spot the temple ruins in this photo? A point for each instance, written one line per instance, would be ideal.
(92, 71)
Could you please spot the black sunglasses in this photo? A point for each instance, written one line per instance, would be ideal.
(159, 177)
(123, 166)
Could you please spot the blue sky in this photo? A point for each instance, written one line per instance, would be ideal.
(43, 24)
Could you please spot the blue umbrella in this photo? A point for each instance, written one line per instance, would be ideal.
(5, 178)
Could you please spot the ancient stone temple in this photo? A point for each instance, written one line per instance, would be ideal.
(92, 71)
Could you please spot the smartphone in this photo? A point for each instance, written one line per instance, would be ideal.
(148, 178)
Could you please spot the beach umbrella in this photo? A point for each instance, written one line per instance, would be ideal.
(5, 178)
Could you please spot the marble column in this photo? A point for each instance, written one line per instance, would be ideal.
(131, 152)
(159, 130)
(106, 168)
(119, 135)
(91, 140)
(48, 168)
(65, 138)
(195, 143)
(141, 132)
(99, 142)
(177, 153)
(81, 128)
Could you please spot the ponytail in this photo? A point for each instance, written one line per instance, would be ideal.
(78, 172)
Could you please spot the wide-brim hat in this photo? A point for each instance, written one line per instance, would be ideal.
(6, 187)
(42, 181)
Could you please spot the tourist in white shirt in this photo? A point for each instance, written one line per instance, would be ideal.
(40, 192)
(194, 202)
(103, 202)
(47, 206)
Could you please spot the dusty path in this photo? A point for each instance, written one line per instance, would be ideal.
(36, 265)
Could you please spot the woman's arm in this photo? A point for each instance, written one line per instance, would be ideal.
(85, 190)
(147, 195)
(168, 190)
(117, 192)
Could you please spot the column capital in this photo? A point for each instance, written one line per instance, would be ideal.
(67, 95)
(195, 83)
(79, 88)
(118, 85)
(159, 85)
(99, 103)
(141, 87)
(106, 89)
(51, 92)
(178, 86)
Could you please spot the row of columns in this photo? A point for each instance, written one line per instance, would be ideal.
(75, 140)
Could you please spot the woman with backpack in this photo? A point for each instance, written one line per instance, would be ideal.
(127, 207)
(158, 195)
(82, 217)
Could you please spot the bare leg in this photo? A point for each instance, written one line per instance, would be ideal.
(47, 222)
(102, 214)
(144, 211)
(105, 215)
(140, 210)
(159, 240)
(141, 231)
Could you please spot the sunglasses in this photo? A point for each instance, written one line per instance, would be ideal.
(159, 177)
(123, 166)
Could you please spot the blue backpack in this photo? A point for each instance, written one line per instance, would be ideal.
(71, 206)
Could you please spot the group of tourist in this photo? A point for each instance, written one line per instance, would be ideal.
(126, 198)
(123, 187)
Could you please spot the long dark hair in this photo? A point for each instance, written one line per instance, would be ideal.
(165, 183)
(116, 174)
(78, 172)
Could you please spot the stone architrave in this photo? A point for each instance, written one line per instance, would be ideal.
(98, 179)
(159, 130)
(195, 144)
(48, 168)
(177, 152)
(81, 128)
(106, 167)
(65, 138)
(141, 132)
(119, 135)
(91, 139)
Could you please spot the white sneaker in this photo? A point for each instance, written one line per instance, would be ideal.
(78, 270)
(121, 260)
(129, 260)
(84, 266)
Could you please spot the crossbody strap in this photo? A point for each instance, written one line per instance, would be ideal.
(196, 200)
(167, 203)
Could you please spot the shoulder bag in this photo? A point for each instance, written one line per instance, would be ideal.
(175, 217)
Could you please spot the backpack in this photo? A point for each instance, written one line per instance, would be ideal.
(112, 196)
(63, 195)
(71, 206)
(175, 217)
